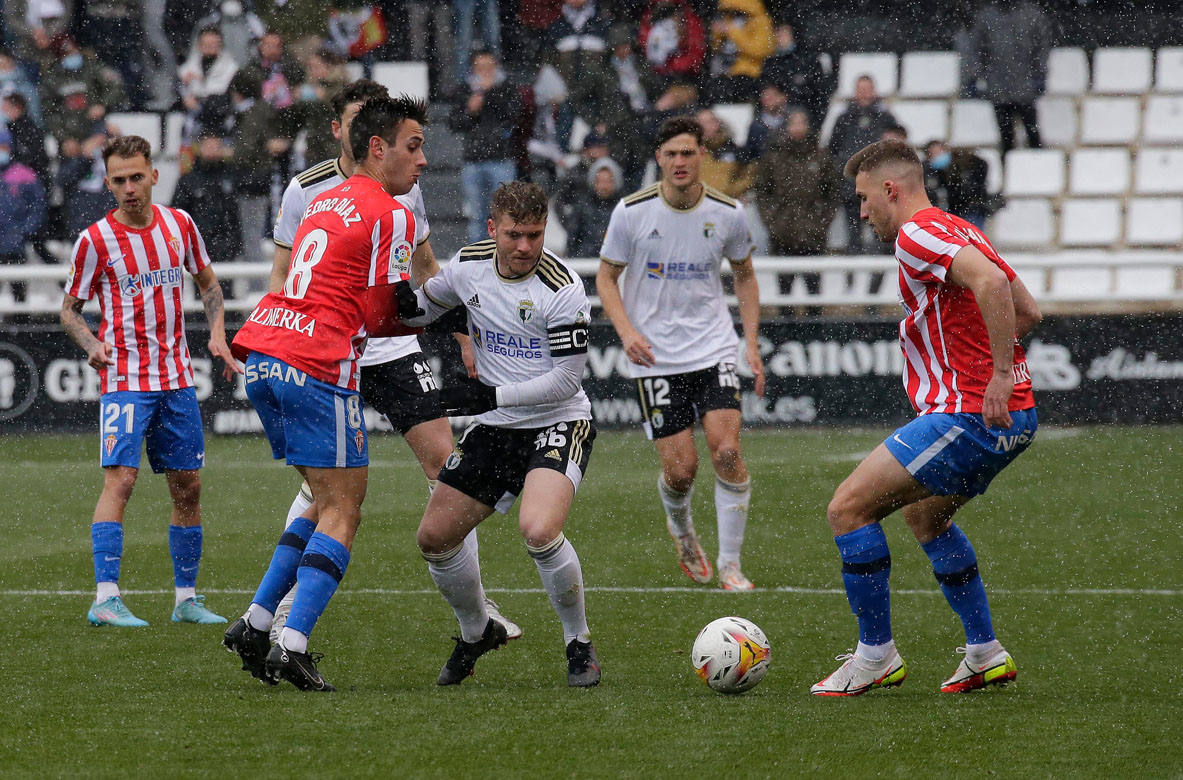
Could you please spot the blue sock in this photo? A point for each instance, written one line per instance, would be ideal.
(106, 543)
(281, 574)
(956, 569)
(184, 544)
(866, 568)
(321, 570)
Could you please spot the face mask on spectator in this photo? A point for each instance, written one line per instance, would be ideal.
(307, 92)
(941, 161)
(5, 158)
(72, 61)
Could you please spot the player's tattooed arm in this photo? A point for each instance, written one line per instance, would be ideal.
(98, 354)
(215, 314)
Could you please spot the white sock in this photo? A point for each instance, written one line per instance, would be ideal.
(980, 653)
(105, 590)
(677, 507)
(731, 513)
(293, 640)
(184, 594)
(458, 577)
(562, 579)
(874, 654)
(471, 542)
(258, 618)
(300, 504)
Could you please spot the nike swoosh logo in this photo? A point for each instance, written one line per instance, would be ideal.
(109, 558)
(188, 568)
(901, 441)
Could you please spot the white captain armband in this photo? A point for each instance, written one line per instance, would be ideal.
(567, 339)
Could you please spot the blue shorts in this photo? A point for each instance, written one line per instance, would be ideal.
(307, 421)
(169, 421)
(956, 454)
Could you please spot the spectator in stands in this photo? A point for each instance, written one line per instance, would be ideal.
(181, 18)
(241, 28)
(1011, 41)
(862, 123)
(587, 222)
(673, 40)
(955, 179)
(634, 77)
(773, 113)
(205, 191)
(28, 140)
(114, 30)
(573, 186)
(741, 39)
(486, 118)
(255, 142)
(798, 71)
(578, 40)
(207, 71)
(467, 12)
(547, 145)
(81, 176)
(325, 76)
(33, 26)
(14, 80)
(76, 92)
(276, 70)
(431, 40)
(722, 166)
(22, 209)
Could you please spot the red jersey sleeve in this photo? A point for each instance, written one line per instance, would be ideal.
(393, 244)
(85, 268)
(927, 249)
(196, 255)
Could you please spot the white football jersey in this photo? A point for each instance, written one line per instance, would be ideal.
(322, 177)
(518, 326)
(672, 291)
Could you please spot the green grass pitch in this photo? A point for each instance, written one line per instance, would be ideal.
(1079, 543)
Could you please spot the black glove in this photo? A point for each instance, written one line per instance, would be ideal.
(468, 397)
(405, 300)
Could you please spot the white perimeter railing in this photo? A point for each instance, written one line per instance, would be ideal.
(1065, 281)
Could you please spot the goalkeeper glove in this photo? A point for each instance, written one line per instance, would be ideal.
(468, 397)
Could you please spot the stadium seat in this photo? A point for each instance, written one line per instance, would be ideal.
(738, 118)
(1122, 70)
(1162, 121)
(1057, 120)
(973, 124)
(354, 70)
(1147, 283)
(1067, 71)
(1099, 172)
(1158, 172)
(174, 126)
(926, 74)
(1024, 223)
(142, 123)
(994, 173)
(1109, 120)
(1092, 222)
(400, 77)
(878, 65)
(924, 120)
(1034, 172)
(836, 108)
(166, 185)
(1078, 284)
(1168, 72)
(1154, 221)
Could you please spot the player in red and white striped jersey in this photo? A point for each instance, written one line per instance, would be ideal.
(966, 376)
(134, 261)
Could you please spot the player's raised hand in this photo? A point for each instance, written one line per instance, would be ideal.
(99, 355)
(756, 363)
(638, 349)
(220, 349)
(995, 400)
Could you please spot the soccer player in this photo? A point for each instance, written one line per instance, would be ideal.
(396, 378)
(678, 335)
(533, 433)
(301, 348)
(966, 376)
(134, 261)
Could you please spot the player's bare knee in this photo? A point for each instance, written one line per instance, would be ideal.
(433, 539)
(118, 483)
(679, 476)
(845, 512)
(539, 533)
(727, 459)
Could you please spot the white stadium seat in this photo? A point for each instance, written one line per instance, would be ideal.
(1168, 71)
(879, 66)
(1099, 172)
(400, 77)
(174, 126)
(1067, 71)
(973, 124)
(354, 70)
(166, 185)
(1110, 120)
(1092, 222)
(142, 123)
(1154, 221)
(994, 172)
(930, 74)
(1162, 121)
(1145, 283)
(1159, 172)
(1034, 172)
(1023, 223)
(924, 120)
(1078, 284)
(738, 117)
(1122, 70)
(1057, 120)
(836, 108)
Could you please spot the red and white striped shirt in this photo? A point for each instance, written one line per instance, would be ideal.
(947, 360)
(138, 276)
(352, 237)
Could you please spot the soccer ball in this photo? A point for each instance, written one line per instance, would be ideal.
(731, 655)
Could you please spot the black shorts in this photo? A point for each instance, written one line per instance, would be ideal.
(404, 390)
(673, 403)
(490, 464)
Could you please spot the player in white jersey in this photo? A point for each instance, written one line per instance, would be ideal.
(396, 378)
(677, 332)
(533, 434)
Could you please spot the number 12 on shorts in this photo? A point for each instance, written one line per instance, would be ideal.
(657, 391)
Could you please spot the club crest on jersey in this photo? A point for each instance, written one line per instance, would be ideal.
(174, 244)
(657, 419)
(109, 444)
(525, 310)
(359, 440)
(654, 270)
(708, 230)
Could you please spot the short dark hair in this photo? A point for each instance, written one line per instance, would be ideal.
(127, 146)
(246, 84)
(679, 125)
(210, 28)
(523, 201)
(18, 100)
(880, 153)
(382, 117)
(356, 92)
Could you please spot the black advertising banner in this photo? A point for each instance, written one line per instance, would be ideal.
(820, 372)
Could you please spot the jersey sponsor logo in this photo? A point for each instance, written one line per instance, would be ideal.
(509, 344)
(678, 271)
(133, 284)
(654, 270)
(109, 443)
(287, 319)
(342, 207)
(1021, 372)
(525, 310)
(273, 369)
(474, 302)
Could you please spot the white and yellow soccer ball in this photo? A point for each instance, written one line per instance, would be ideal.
(731, 655)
